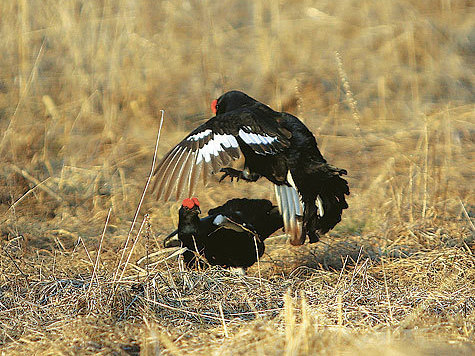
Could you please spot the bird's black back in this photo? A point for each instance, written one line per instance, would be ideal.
(258, 214)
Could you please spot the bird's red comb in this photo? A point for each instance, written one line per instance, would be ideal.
(190, 203)
(214, 103)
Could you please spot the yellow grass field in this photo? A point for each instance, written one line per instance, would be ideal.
(386, 86)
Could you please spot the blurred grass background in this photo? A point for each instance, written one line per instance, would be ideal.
(386, 86)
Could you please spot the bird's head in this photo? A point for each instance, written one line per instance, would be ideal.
(188, 219)
(230, 101)
(191, 206)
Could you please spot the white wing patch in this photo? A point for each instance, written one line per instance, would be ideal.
(220, 142)
(212, 148)
(200, 135)
(219, 219)
(256, 139)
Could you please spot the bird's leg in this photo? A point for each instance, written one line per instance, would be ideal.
(311, 232)
(310, 222)
(230, 172)
(234, 173)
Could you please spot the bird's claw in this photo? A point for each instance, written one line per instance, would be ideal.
(230, 172)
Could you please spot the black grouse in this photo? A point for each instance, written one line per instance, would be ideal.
(275, 145)
(232, 235)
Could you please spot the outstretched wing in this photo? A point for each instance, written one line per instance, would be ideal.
(213, 145)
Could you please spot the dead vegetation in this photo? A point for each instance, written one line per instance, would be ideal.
(81, 89)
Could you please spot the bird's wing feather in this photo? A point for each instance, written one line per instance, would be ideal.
(213, 145)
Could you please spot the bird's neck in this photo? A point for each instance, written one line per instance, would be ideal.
(188, 225)
(189, 232)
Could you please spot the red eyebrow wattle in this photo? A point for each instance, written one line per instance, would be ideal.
(189, 203)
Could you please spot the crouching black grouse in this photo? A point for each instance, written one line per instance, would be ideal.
(232, 235)
(275, 145)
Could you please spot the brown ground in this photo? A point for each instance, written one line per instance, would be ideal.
(81, 89)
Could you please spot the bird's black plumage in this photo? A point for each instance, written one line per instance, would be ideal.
(275, 145)
(232, 235)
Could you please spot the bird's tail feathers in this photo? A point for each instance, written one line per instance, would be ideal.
(331, 201)
(172, 240)
(291, 209)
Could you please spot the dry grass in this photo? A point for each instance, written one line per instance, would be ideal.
(387, 87)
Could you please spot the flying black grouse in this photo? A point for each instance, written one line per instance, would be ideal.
(232, 235)
(275, 145)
